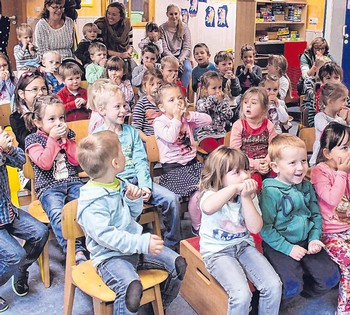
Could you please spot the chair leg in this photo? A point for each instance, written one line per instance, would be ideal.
(102, 308)
(157, 303)
(44, 264)
(69, 292)
(156, 223)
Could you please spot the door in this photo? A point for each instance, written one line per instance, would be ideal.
(17, 14)
(346, 47)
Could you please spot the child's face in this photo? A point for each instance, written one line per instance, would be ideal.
(271, 69)
(115, 110)
(152, 86)
(224, 66)
(52, 63)
(319, 50)
(339, 153)
(248, 58)
(335, 106)
(149, 58)
(153, 36)
(25, 39)
(214, 87)
(91, 33)
(172, 98)
(292, 166)
(72, 82)
(170, 73)
(4, 66)
(235, 177)
(115, 75)
(334, 77)
(252, 108)
(201, 56)
(98, 56)
(271, 88)
(53, 117)
(33, 90)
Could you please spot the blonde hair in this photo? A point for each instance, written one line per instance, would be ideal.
(24, 29)
(96, 151)
(97, 46)
(222, 160)
(262, 98)
(68, 69)
(279, 62)
(267, 78)
(169, 60)
(52, 52)
(206, 78)
(89, 26)
(282, 141)
(180, 27)
(159, 95)
(332, 91)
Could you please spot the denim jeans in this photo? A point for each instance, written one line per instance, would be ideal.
(186, 73)
(118, 272)
(13, 257)
(53, 199)
(233, 265)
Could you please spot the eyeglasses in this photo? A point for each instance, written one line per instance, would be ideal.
(36, 90)
(4, 65)
(57, 7)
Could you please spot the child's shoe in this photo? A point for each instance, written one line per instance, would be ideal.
(194, 231)
(80, 258)
(3, 305)
(20, 283)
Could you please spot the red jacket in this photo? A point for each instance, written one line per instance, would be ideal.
(68, 99)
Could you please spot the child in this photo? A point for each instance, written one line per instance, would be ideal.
(277, 65)
(230, 212)
(30, 86)
(213, 102)
(334, 97)
(52, 151)
(52, 61)
(331, 181)
(170, 69)
(201, 55)
(25, 52)
(118, 249)
(96, 69)
(292, 224)
(73, 96)
(7, 79)
(146, 110)
(14, 222)
(248, 74)
(149, 56)
(177, 150)
(90, 31)
(253, 132)
(277, 112)
(152, 36)
(230, 83)
(109, 102)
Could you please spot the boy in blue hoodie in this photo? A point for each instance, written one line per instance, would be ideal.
(107, 212)
(293, 223)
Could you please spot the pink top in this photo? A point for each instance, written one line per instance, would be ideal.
(331, 186)
(175, 138)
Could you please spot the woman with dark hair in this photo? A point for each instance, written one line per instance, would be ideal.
(54, 30)
(5, 31)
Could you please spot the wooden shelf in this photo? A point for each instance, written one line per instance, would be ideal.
(276, 42)
(281, 1)
(280, 22)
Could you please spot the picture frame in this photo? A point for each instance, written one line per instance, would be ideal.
(87, 3)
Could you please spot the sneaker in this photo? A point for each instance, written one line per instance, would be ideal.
(80, 258)
(20, 284)
(3, 305)
(194, 231)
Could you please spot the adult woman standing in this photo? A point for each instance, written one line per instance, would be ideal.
(54, 30)
(176, 38)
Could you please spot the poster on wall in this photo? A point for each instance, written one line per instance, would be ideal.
(87, 3)
(202, 1)
(193, 7)
(184, 15)
(210, 17)
(222, 16)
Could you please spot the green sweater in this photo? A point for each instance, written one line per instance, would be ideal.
(290, 214)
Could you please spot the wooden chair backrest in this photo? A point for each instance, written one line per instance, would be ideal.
(80, 127)
(152, 153)
(28, 172)
(84, 84)
(227, 138)
(5, 112)
(308, 136)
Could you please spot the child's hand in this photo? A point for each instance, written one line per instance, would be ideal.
(229, 74)
(133, 192)
(248, 68)
(4, 75)
(273, 99)
(79, 102)
(24, 45)
(103, 62)
(343, 165)
(178, 112)
(6, 140)
(125, 55)
(220, 95)
(155, 245)
(149, 65)
(264, 167)
(59, 131)
(30, 47)
(249, 187)
(298, 252)
(345, 114)
(314, 247)
(146, 194)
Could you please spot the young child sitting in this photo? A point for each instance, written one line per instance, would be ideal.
(230, 83)
(170, 70)
(293, 224)
(96, 70)
(73, 96)
(248, 74)
(230, 212)
(152, 36)
(201, 55)
(213, 102)
(90, 31)
(177, 151)
(16, 223)
(52, 61)
(109, 102)
(277, 66)
(25, 52)
(8, 80)
(52, 151)
(277, 111)
(118, 249)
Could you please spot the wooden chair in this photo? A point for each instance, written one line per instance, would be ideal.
(84, 84)
(308, 136)
(227, 138)
(5, 112)
(85, 277)
(80, 127)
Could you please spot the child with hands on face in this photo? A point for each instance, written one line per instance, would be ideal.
(170, 70)
(96, 70)
(293, 224)
(152, 37)
(7, 79)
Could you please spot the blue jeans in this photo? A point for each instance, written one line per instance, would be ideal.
(186, 73)
(52, 200)
(233, 265)
(118, 272)
(13, 257)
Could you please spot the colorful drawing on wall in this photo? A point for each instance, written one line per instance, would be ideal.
(184, 15)
(202, 1)
(210, 17)
(87, 3)
(193, 7)
(222, 16)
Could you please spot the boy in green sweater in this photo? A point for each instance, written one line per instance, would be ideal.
(292, 223)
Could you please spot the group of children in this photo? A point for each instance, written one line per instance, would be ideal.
(256, 185)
